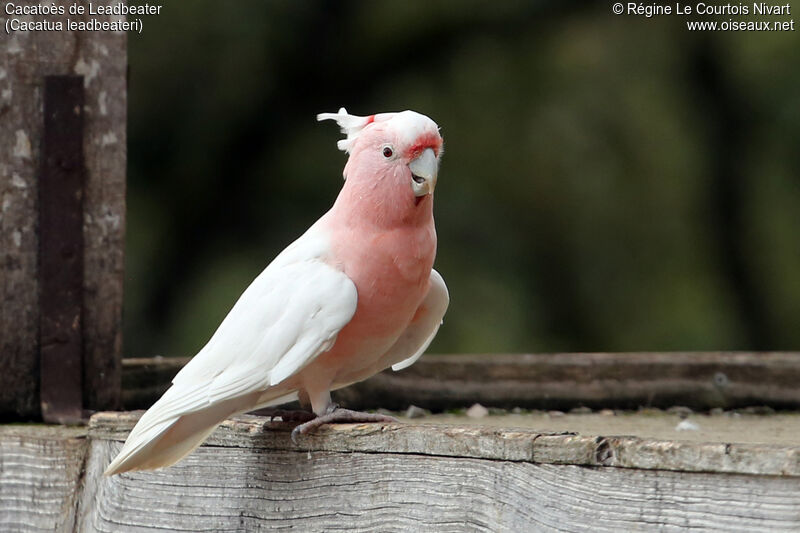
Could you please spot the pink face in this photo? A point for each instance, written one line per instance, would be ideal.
(407, 143)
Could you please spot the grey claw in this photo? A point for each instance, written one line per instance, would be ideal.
(295, 434)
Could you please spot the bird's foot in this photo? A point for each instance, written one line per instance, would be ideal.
(338, 415)
(287, 415)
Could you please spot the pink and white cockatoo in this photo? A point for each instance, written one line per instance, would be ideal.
(354, 295)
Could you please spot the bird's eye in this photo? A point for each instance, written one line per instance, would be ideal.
(387, 151)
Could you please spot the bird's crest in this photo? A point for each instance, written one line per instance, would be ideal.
(414, 130)
(351, 125)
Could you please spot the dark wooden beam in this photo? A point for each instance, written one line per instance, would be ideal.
(61, 190)
(700, 380)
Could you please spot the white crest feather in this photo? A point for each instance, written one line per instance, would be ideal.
(351, 126)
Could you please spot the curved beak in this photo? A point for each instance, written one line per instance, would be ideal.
(424, 170)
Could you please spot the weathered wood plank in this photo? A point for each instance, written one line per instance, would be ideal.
(145, 379)
(775, 428)
(25, 58)
(229, 489)
(40, 477)
(700, 380)
(600, 380)
(102, 58)
(503, 444)
(422, 478)
(21, 114)
(411, 477)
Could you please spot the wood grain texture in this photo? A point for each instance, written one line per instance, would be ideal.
(21, 114)
(40, 477)
(501, 444)
(358, 477)
(145, 379)
(249, 479)
(102, 59)
(25, 58)
(700, 380)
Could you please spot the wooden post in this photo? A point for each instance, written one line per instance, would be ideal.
(26, 58)
(61, 251)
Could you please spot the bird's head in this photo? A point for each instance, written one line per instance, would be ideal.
(404, 147)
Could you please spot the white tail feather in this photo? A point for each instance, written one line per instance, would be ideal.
(155, 443)
(152, 453)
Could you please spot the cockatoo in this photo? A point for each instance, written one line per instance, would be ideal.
(354, 295)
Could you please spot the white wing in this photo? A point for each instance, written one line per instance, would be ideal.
(287, 317)
(419, 334)
(291, 313)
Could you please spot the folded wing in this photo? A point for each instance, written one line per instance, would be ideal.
(288, 316)
(420, 333)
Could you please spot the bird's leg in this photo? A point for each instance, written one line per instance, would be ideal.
(304, 414)
(335, 414)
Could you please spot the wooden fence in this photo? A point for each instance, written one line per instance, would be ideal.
(699, 380)
(62, 221)
(408, 477)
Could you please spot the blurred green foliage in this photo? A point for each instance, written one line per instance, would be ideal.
(609, 183)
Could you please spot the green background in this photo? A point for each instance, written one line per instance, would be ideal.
(610, 183)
